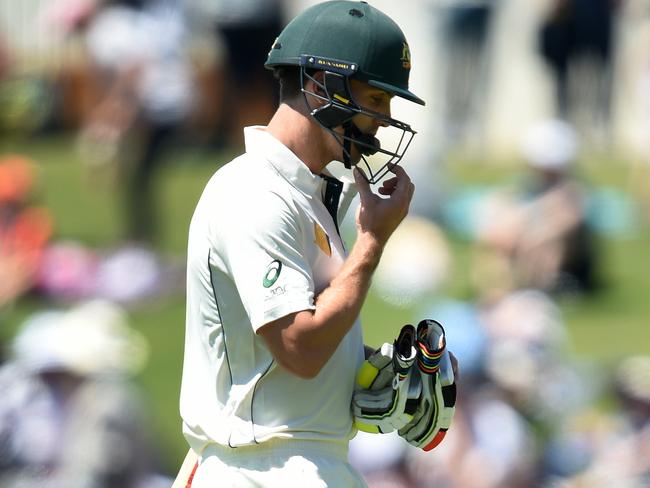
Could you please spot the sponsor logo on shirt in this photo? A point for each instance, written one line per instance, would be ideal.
(275, 292)
(272, 273)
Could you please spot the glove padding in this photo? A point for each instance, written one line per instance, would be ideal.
(386, 396)
(436, 407)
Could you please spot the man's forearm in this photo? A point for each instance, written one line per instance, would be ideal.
(305, 341)
(339, 305)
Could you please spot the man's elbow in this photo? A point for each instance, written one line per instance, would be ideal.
(292, 348)
(305, 366)
(306, 373)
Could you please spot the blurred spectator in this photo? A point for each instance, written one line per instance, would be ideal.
(137, 51)
(65, 271)
(632, 97)
(576, 40)
(632, 388)
(69, 416)
(538, 235)
(490, 445)
(466, 333)
(527, 358)
(26, 98)
(466, 39)
(416, 263)
(5, 61)
(25, 228)
(128, 275)
(516, 387)
(381, 460)
(244, 31)
(599, 449)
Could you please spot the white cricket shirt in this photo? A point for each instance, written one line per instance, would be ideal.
(261, 245)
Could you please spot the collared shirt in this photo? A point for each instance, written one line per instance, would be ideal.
(262, 245)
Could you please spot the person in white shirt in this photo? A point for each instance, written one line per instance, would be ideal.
(273, 340)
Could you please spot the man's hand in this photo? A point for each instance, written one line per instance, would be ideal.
(413, 392)
(387, 394)
(378, 217)
(303, 342)
(438, 369)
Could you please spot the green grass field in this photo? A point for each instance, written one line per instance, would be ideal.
(601, 329)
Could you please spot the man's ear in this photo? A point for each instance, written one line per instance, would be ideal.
(315, 83)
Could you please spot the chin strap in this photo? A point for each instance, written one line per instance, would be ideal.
(347, 143)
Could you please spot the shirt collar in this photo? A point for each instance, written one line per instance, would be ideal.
(261, 143)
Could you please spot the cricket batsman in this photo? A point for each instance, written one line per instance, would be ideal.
(276, 379)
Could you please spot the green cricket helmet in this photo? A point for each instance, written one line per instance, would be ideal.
(350, 39)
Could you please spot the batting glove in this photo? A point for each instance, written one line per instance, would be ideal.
(387, 392)
(436, 407)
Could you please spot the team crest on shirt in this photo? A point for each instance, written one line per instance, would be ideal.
(322, 240)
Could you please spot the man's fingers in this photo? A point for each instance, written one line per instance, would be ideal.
(391, 182)
(403, 184)
(400, 174)
(397, 170)
(362, 182)
(388, 186)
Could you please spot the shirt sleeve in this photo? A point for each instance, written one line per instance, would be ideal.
(264, 253)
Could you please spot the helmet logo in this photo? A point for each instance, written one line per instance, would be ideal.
(406, 56)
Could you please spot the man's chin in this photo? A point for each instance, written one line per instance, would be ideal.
(355, 157)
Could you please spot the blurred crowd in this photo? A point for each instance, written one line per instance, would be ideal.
(70, 415)
(529, 412)
(135, 79)
(539, 83)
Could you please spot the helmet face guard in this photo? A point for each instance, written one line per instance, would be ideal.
(339, 109)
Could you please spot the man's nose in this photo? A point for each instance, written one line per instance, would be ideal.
(386, 113)
(381, 123)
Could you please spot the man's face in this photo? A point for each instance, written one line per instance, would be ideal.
(373, 100)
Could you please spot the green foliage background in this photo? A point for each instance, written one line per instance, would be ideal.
(602, 329)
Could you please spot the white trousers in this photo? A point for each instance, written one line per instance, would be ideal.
(277, 463)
